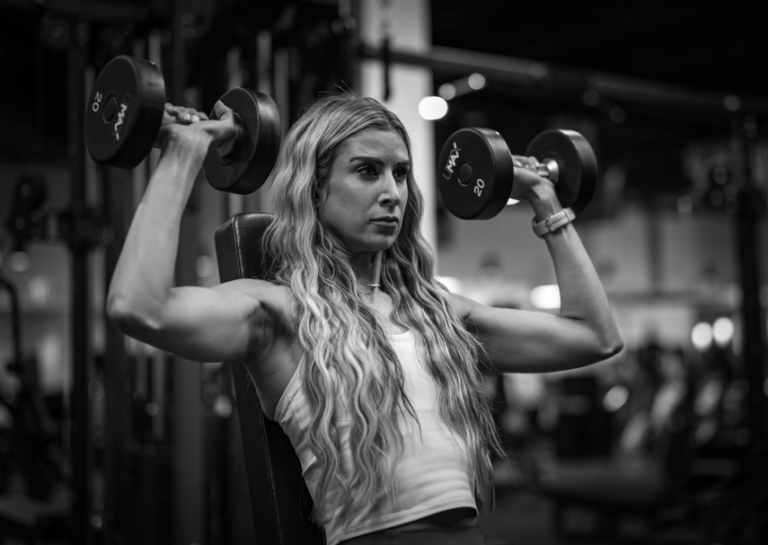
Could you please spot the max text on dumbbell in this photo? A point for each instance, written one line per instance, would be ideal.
(120, 116)
(451, 164)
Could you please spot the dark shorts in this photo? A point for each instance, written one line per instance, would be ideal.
(437, 536)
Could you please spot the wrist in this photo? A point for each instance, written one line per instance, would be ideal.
(553, 222)
(187, 143)
(187, 149)
(545, 203)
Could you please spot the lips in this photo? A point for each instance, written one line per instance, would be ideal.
(386, 220)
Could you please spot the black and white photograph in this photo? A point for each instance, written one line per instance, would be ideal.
(383, 272)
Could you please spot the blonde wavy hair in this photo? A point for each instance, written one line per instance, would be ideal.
(346, 352)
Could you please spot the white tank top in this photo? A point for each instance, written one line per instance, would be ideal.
(433, 474)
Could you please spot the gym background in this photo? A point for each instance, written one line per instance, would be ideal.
(104, 440)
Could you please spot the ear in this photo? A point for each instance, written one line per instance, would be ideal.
(320, 194)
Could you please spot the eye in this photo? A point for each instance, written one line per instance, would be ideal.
(401, 174)
(367, 170)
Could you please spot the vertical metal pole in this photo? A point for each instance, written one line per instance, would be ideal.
(349, 14)
(119, 206)
(751, 208)
(235, 79)
(13, 295)
(264, 62)
(257, 202)
(80, 421)
(282, 84)
(188, 445)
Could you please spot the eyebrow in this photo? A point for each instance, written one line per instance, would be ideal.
(378, 161)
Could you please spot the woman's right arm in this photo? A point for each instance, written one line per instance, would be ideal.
(203, 324)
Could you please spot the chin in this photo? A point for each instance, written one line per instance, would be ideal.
(380, 244)
(379, 247)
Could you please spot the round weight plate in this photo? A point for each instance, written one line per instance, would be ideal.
(475, 173)
(246, 167)
(124, 112)
(577, 176)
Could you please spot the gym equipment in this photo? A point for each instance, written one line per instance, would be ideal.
(125, 110)
(32, 448)
(242, 165)
(476, 170)
(26, 221)
(280, 502)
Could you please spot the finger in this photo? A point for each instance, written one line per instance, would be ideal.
(520, 161)
(194, 115)
(186, 116)
(169, 114)
(222, 111)
(528, 163)
(181, 113)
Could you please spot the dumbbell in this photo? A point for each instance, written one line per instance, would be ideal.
(125, 111)
(476, 172)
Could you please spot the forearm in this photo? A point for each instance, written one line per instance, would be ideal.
(144, 273)
(582, 296)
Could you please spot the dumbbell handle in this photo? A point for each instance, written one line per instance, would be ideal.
(229, 146)
(547, 169)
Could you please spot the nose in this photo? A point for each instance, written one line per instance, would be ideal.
(390, 194)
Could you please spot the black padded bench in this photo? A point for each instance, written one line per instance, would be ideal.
(280, 501)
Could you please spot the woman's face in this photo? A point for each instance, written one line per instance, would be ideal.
(362, 204)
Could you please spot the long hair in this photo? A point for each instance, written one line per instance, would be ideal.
(348, 365)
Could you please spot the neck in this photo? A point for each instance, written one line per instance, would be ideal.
(367, 268)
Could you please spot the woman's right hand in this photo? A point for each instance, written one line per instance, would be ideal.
(182, 124)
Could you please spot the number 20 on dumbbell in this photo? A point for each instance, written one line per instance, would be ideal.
(476, 170)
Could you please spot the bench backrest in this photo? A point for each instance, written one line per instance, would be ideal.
(280, 502)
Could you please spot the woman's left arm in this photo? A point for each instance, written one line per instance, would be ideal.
(583, 332)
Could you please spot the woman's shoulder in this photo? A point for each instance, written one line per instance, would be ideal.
(463, 306)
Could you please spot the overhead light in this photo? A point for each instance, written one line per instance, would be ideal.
(701, 336)
(545, 297)
(473, 82)
(476, 81)
(722, 331)
(447, 91)
(432, 108)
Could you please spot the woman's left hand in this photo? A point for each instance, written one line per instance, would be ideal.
(531, 187)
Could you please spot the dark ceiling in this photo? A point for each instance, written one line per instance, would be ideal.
(700, 46)
(717, 45)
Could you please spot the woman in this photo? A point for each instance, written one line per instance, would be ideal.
(366, 361)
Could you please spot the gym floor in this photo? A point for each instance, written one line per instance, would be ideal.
(525, 511)
(526, 519)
